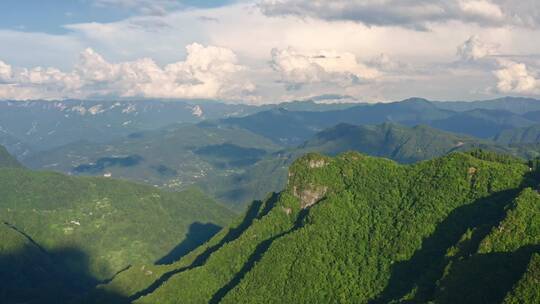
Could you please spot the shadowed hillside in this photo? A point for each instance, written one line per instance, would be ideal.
(31, 274)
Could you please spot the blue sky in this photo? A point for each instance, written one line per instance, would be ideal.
(267, 51)
(50, 16)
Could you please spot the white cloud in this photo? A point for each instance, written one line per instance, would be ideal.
(516, 78)
(298, 68)
(5, 72)
(523, 12)
(475, 49)
(8, 91)
(419, 63)
(482, 8)
(388, 64)
(207, 72)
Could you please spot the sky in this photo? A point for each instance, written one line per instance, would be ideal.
(269, 51)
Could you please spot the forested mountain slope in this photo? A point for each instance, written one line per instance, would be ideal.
(481, 123)
(237, 166)
(464, 228)
(38, 125)
(397, 142)
(529, 135)
(6, 160)
(42, 125)
(84, 230)
(294, 127)
(517, 105)
(534, 116)
(172, 158)
(291, 128)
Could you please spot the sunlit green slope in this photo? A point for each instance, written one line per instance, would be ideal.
(356, 229)
(58, 229)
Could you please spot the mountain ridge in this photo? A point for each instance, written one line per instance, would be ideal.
(312, 242)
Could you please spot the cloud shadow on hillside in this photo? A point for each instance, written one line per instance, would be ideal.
(107, 162)
(197, 235)
(32, 275)
(416, 278)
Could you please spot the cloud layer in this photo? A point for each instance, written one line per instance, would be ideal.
(268, 51)
(147, 7)
(416, 14)
(297, 69)
(207, 72)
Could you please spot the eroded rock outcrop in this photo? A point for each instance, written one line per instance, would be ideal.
(310, 195)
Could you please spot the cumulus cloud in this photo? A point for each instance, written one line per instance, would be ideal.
(514, 74)
(481, 8)
(516, 78)
(384, 62)
(297, 69)
(475, 49)
(207, 72)
(413, 63)
(5, 71)
(416, 14)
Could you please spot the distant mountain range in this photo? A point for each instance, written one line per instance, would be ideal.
(517, 105)
(237, 166)
(293, 127)
(405, 202)
(42, 125)
(35, 126)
